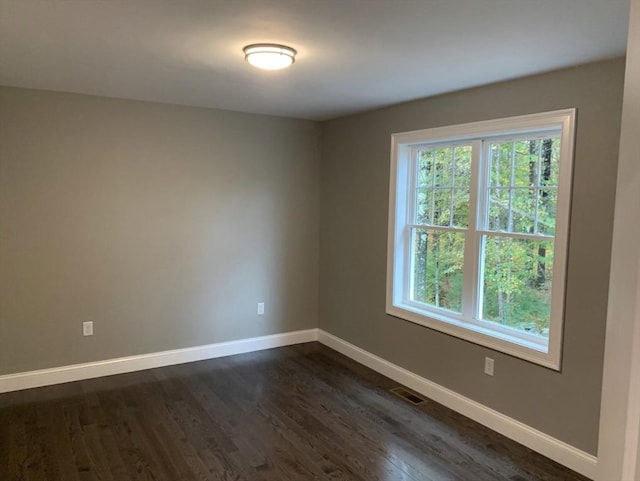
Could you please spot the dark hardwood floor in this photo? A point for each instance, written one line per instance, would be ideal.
(301, 412)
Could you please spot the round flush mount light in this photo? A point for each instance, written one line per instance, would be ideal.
(269, 56)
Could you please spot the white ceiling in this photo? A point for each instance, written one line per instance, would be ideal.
(353, 55)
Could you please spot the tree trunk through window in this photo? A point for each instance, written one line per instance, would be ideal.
(545, 173)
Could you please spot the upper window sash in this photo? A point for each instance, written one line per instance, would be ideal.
(514, 187)
(428, 191)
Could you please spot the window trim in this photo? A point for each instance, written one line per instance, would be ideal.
(398, 248)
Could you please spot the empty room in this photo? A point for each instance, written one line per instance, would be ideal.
(291, 240)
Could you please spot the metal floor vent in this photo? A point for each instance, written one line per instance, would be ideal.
(408, 395)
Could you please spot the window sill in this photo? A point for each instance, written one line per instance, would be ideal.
(515, 346)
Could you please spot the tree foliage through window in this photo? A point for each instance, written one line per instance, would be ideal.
(517, 227)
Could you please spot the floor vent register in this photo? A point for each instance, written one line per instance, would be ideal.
(407, 395)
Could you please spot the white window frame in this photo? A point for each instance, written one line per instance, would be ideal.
(466, 326)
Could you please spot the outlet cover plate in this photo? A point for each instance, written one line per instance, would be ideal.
(488, 366)
(87, 328)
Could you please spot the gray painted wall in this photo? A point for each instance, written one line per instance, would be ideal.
(164, 225)
(353, 235)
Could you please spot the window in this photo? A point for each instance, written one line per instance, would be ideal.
(478, 231)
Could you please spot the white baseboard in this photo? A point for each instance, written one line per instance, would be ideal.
(538, 441)
(77, 372)
(555, 449)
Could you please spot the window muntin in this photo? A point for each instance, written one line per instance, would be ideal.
(523, 183)
(443, 180)
(441, 198)
(521, 176)
(478, 231)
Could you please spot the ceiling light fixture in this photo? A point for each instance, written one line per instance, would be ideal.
(269, 56)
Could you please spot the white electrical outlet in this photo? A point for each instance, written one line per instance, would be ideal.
(488, 366)
(87, 328)
(260, 308)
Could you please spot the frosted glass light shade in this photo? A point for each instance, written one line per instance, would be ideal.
(269, 56)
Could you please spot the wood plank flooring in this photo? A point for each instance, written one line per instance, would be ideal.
(302, 412)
